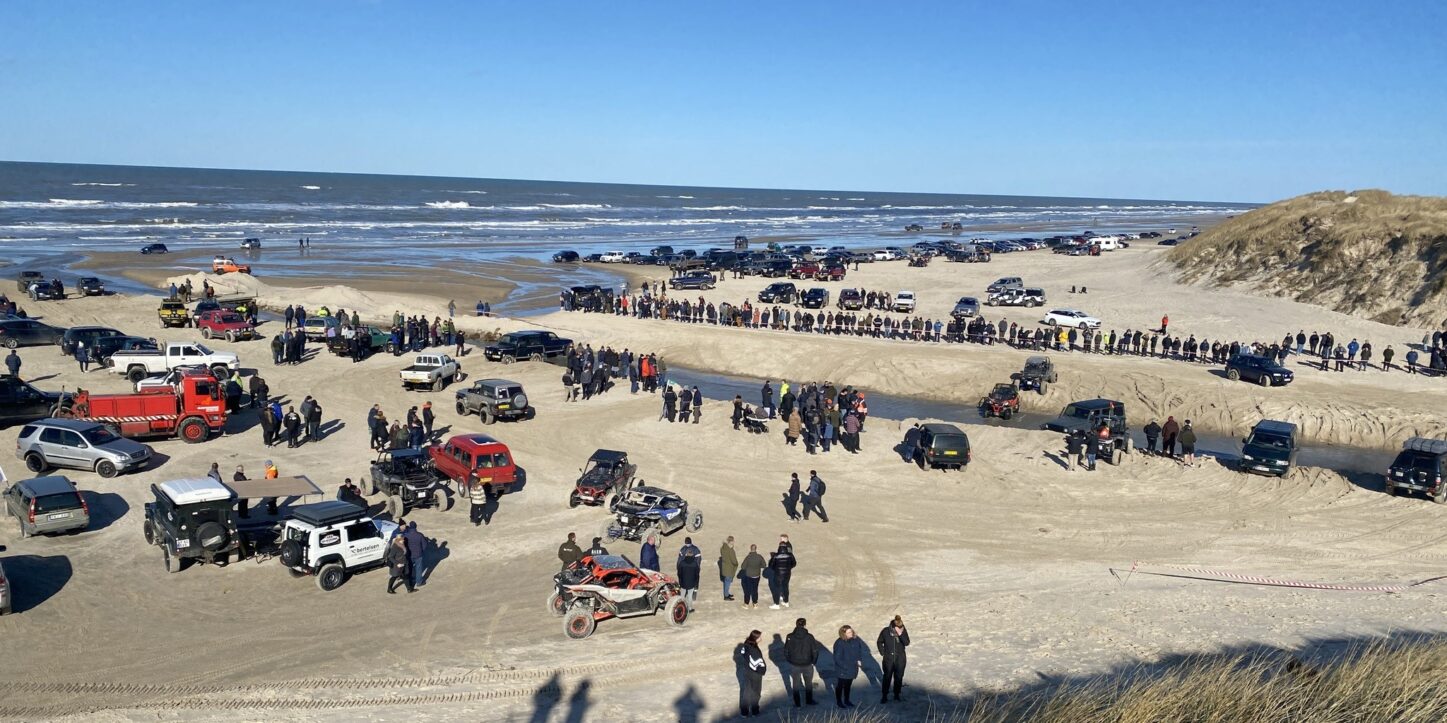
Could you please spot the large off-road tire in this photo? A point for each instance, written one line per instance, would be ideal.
(173, 564)
(206, 333)
(36, 463)
(1233, 375)
(149, 533)
(1264, 380)
(1042, 387)
(193, 431)
(290, 553)
(487, 416)
(537, 357)
(331, 576)
(557, 605)
(1129, 445)
(1117, 455)
(461, 409)
(220, 372)
(437, 384)
(231, 336)
(1440, 496)
(1006, 413)
(106, 468)
(578, 623)
(675, 609)
(695, 520)
(573, 500)
(212, 536)
(441, 500)
(135, 374)
(392, 505)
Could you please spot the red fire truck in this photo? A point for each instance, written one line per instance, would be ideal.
(193, 409)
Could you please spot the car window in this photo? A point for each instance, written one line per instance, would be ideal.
(362, 531)
(1265, 439)
(27, 430)
(188, 350)
(99, 436)
(52, 435)
(57, 502)
(71, 439)
(499, 460)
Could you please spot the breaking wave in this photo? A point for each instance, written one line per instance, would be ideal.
(447, 204)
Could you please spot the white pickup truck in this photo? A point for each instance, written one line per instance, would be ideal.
(139, 364)
(431, 371)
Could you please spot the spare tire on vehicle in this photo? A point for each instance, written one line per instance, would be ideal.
(291, 553)
(212, 536)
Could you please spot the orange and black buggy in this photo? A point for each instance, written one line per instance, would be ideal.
(1003, 401)
(599, 587)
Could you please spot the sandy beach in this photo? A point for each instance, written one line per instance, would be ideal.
(1001, 572)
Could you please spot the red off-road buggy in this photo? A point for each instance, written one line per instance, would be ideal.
(1003, 401)
(611, 586)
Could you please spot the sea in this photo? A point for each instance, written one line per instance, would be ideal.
(50, 208)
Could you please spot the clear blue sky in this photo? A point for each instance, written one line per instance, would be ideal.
(1185, 100)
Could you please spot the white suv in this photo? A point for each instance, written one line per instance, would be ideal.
(612, 257)
(332, 541)
(1070, 317)
(904, 302)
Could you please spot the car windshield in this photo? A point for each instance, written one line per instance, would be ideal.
(202, 349)
(643, 498)
(1268, 439)
(229, 318)
(99, 436)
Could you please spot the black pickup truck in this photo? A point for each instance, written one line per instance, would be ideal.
(537, 345)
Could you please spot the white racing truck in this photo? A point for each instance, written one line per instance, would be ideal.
(431, 371)
(141, 363)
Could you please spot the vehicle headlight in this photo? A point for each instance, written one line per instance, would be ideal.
(1248, 458)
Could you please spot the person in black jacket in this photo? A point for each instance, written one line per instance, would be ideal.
(690, 563)
(597, 548)
(782, 562)
(893, 640)
(396, 559)
(1092, 449)
(1153, 432)
(1074, 447)
(749, 661)
(802, 652)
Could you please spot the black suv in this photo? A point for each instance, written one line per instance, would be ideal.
(943, 446)
(407, 480)
(536, 344)
(564, 257)
(851, 300)
(192, 520)
(781, 292)
(815, 298)
(1262, 370)
(87, 334)
(1087, 416)
(1270, 448)
(692, 280)
(1419, 467)
(20, 402)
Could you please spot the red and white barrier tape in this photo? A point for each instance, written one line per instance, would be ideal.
(1201, 573)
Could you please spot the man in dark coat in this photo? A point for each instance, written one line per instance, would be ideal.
(802, 652)
(259, 391)
(1153, 432)
(766, 397)
(597, 548)
(690, 563)
(893, 640)
(1168, 432)
(569, 552)
(268, 427)
(782, 563)
(292, 424)
(314, 422)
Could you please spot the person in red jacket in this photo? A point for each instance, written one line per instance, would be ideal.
(1165, 321)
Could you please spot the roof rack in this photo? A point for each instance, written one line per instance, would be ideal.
(1423, 444)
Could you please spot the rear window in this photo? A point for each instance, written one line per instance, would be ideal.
(1420, 461)
(57, 502)
(951, 441)
(27, 430)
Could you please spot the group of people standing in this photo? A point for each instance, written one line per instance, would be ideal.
(294, 427)
(802, 654)
(817, 413)
(394, 435)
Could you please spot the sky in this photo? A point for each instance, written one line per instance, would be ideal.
(1210, 101)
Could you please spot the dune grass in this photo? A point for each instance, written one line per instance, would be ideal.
(1401, 681)
(1366, 253)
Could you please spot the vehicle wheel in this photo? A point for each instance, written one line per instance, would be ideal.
(1042, 387)
(193, 431)
(12, 343)
(506, 359)
(392, 505)
(1129, 445)
(536, 357)
(1264, 380)
(206, 333)
(331, 576)
(556, 605)
(1440, 496)
(173, 564)
(1006, 413)
(149, 532)
(106, 468)
(231, 336)
(290, 553)
(219, 371)
(609, 534)
(1053, 322)
(613, 503)
(676, 608)
(135, 374)
(1117, 456)
(461, 410)
(1053, 378)
(579, 623)
(1084, 326)
(487, 417)
(440, 500)
(573, 500)
(695, 520)
(36, 463)
(1233, 375)
(391, 348)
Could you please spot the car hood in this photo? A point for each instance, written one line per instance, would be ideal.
(126, 447)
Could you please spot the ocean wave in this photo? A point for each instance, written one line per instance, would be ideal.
(97, 183)
(312, 188)
(481, 193)
(447, 204)
(685, 197)
(89, 203)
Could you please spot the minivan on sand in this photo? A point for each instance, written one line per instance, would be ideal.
(46, 505)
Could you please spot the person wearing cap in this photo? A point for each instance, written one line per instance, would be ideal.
(271, 471)
(690, 563)
(893, 640)
(597, 548)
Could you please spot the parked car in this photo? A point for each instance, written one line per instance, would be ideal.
(1260, 369)
(315, 327)
(21, 402)
(534, 344)
(90, 286)
(228, 324)
(1270, 448)
(103, 348)
(851, 300)
(782, 292)
(1070, 317)
(173, 312)
(966, 307)
(154, 249)
(565, 257)
(27, 279)
(46, 505)
(612, 257)
(430, 371)
(139, 364)
(407, 480)
(815, 298)
(476, 463)
(85, 334)
(692, 280)
(332, 541)
(904, 302)
(494, 399)
(75, 444)
(192, 520)
(1419, 467)
(28, 332)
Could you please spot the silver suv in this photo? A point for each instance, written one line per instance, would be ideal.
(47, 504)
(75, 444)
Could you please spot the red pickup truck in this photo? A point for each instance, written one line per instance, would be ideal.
(475, 460)
(224, 323)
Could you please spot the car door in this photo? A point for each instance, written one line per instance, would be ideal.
(61, 447)
(364, 543)
(25, 402)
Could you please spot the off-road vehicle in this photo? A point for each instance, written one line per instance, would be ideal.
(173, 312)
(1419, 467)
(90, 286)
(645, 510)
(781, 292)
(610, 586)
(1270, 448)
(851, 300)
(408, 480)
(692, 280)
(27, 278)
(943, 446)
(536, 345)
(1087, 416)
(192, 520)
(1003, 401)
(494, 399)
(332, 541)
(815, 298)
(373, 340)
(1262, 370)
(606, 477)
(1017, 297)
(1038, 374)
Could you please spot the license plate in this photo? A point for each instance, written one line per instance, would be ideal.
(58, 516)
(504, 406)
(1261, 468)
(951, 452)
(182, 544)
(624, 519)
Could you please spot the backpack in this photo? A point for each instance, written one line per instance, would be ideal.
(821, 487)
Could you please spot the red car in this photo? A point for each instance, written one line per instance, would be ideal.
(805, 270)
(832, 272)
(611, 586)
(224, 323)
(474, 461)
